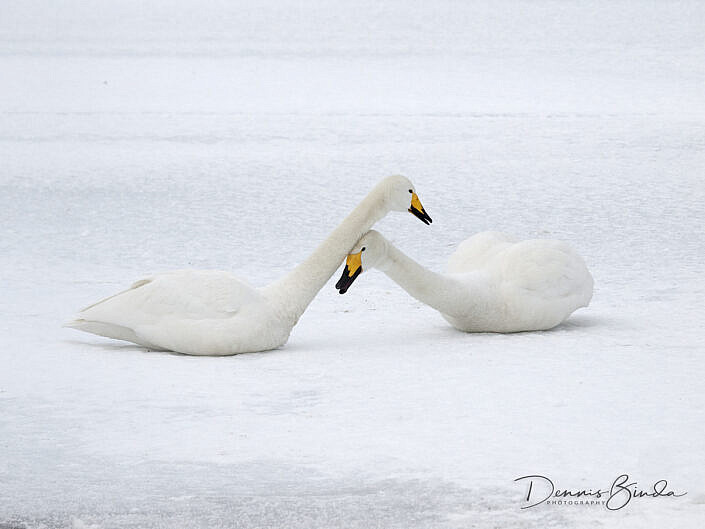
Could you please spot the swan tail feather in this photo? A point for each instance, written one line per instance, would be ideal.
(109, 330)
(135, 285)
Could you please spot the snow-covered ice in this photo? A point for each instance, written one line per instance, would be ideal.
(140, 137)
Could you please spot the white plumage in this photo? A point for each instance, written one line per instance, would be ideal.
(494, 282)
(205, 312)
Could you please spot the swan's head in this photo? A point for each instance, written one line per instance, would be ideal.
(368, 252)
(401, 196)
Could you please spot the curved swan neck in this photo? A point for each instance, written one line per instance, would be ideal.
(295, 291)
(445, 294)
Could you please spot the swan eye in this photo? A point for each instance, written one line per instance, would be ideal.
(363, 249)
(410, 191)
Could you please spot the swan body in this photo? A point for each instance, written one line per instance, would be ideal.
(206, 312)
(494, 282)
(211, 312)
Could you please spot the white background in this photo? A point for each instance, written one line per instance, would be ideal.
(138, 137)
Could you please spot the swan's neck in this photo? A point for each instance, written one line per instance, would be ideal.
(295, 291)
(446, 294)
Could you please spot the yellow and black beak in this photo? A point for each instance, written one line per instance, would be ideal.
(353, 268)
(418, 210)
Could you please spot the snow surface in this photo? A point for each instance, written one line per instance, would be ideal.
(138, 137)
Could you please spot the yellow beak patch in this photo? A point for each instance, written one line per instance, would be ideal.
(353, 262)
(418, 211)
(415, 202)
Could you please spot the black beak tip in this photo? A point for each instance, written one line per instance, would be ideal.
(346, 280)
(421, 215)
(341, 281)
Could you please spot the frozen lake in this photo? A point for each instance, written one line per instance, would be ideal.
(137, 139)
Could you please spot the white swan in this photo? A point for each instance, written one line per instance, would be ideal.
(201, 312)
(494, 282)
